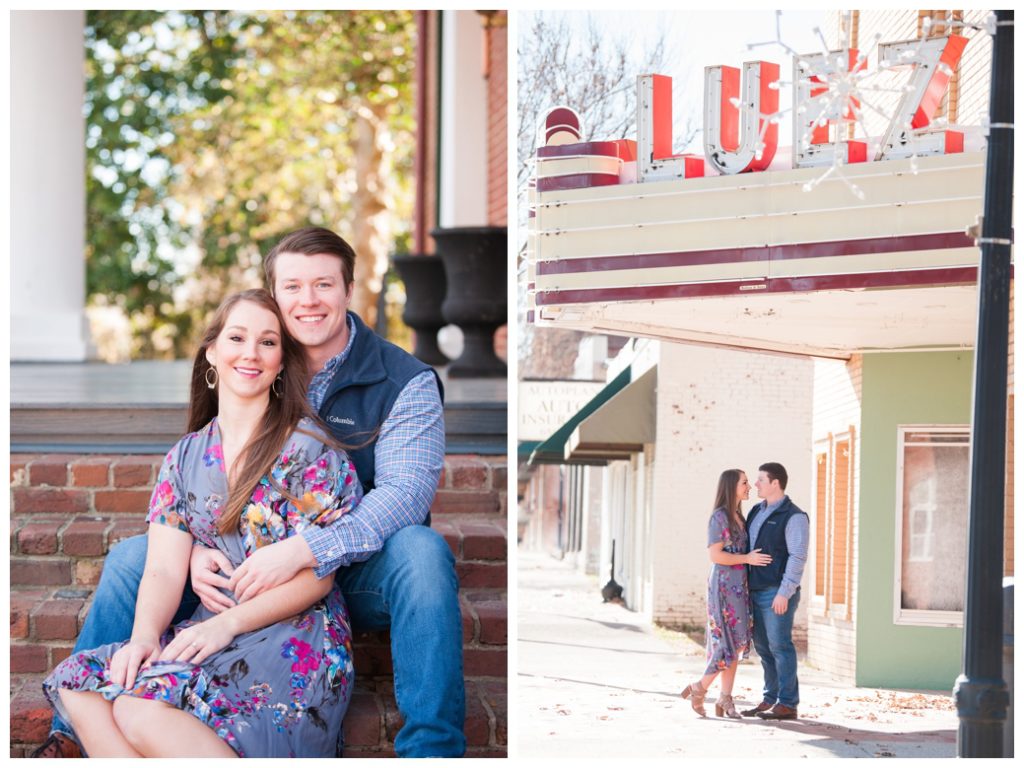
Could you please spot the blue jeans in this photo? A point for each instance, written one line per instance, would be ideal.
(409, 586)
(773, 639)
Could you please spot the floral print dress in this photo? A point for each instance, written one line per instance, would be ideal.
(730, 622)
(280, 691)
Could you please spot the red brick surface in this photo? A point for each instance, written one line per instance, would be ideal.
(27, 501)
(484, 662)
(30, 572)
(493, 616)
(85, 537)
(22, 604)
(478, 724)
(93, 472)
(51, 469)
(136, 502)
(28, 658)
(475, 575)
(467, 472)
(363, 721)
(38, 538)
(465, 502)
(124, 528)
(59, 537)
(30, 715)
(57, 620)
(134, 471)
(483, 541)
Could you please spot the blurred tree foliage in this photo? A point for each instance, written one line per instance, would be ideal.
(212, 133)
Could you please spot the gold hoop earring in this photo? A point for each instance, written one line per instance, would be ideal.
(274, 385)
(211, 384)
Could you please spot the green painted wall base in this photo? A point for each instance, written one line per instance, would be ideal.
(900, 389)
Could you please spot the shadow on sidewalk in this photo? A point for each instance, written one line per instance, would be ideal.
(628, 651)
(670, 694)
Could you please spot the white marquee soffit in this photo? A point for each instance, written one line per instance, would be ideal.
(619, 427)
(755, 261)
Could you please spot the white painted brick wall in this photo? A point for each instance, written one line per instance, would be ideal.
(718, 409)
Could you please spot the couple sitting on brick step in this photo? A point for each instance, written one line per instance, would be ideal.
(303, 408)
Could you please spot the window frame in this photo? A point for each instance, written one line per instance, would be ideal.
(918, 617)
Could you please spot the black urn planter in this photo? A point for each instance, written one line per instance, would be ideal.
(476, 268)
(423, 275)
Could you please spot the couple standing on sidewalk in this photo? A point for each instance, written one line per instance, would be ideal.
(753, 592)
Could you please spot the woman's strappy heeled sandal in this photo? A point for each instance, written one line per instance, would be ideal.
(724, 707)
(696, 692)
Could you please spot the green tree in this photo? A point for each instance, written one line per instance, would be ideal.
(211, 134)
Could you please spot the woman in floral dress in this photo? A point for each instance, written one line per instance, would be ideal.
(271, 676)
(730, 624)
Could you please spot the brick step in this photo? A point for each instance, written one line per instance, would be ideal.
(102, 484)
(370, 726)
(57, 551)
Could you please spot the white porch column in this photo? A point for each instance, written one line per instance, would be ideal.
(463, 193)
(48, 186)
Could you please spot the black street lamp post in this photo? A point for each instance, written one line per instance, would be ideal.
(981, 694)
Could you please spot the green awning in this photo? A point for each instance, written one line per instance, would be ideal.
(621, 426)
(553, 450)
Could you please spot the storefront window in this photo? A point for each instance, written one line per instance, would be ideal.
(934, 469)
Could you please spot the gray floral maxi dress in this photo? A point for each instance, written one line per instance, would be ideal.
(730, 623)
(280, 691)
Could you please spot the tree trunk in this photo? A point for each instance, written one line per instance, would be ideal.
(371, 234)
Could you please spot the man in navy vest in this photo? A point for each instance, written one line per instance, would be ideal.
(394, 571)
(779, 528)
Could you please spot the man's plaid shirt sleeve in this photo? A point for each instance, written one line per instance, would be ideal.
(409, 456)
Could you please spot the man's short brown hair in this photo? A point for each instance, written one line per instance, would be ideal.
(775, 471)
(312, 241)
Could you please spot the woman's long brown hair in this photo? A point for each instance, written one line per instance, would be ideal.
(281, 417)
(726, 498)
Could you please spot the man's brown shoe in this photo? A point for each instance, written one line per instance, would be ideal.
(764, 706)
(779, 712)
(58, 745)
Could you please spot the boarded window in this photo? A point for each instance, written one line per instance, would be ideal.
(841, 523)
(820, 530)
(833, 524)
(933, 476)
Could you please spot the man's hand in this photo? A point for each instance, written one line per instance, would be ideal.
(780, 605)
(210, 569)
(194, 644)
(271, 566)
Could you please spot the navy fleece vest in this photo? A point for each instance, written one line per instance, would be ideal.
(362, 392)
(772, 541)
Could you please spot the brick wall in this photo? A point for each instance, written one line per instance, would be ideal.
(68, 510)
(719, 409)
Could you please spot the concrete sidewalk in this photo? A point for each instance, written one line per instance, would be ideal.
(595, 680)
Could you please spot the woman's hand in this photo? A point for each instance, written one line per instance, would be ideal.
(196, 643)
(757, 557)
(130, 658)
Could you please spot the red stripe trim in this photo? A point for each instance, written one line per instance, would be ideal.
(908, 278)
(576, 181)
(935, 241)
(624, 148)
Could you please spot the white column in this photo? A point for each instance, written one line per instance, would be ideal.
(48, 186)
(463, 193)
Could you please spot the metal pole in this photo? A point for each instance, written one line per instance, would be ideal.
(981, 694)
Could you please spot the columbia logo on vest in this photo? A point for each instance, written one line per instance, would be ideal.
(339, 420)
